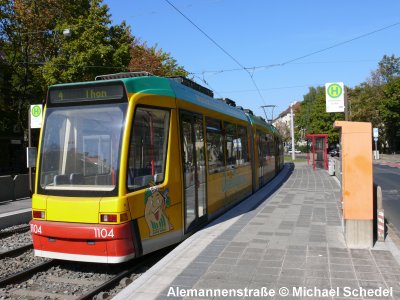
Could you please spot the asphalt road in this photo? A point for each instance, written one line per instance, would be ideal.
(389, 180)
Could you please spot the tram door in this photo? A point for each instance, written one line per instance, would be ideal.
(194, 169)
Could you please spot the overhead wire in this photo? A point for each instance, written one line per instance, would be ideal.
(291, 61)
(220, 47)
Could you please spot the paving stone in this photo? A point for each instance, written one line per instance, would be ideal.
(185, 281)
(271, 264)
(270, 271)
(366, 269)
(321, 283)
(343, 275)
(295, 264)
(340, 261)
(293, 272)
(234, 249)
(342, 268)
(227, 254)
(369, 276)
(265, 278)
(317, 273)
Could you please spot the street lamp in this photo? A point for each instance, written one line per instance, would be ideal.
(67, 32)
(292, 130)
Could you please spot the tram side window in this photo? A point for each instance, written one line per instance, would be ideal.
(242, 146)
(262, 147)
(271, 145)
(231, 144)
(215, 150)
(148, 147)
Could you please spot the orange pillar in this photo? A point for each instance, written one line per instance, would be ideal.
(357, 183)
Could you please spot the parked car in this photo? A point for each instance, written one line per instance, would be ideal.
(334, 152)
(295, 151)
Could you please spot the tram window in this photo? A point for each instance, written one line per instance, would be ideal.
(215, 150)
(80, 148)
(262, 147)
(243, 150)
(148, 147)
(271, 144)
(231, 144)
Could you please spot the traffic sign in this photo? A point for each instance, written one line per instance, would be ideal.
(375, 132)
(375, 139)
(334, 93)
(36, 115)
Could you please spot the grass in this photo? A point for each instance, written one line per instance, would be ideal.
(288, 158)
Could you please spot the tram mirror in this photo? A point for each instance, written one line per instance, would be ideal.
(31, 154)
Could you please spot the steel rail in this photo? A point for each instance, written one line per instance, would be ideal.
(16, 251)
(17, 277)
(7, 233)
(113, 281)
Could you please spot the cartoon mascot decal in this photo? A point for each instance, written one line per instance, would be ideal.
(155, 215)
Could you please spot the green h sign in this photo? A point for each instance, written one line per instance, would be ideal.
(334, 97)
(334, 90)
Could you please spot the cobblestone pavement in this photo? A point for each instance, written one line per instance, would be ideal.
(294, 239)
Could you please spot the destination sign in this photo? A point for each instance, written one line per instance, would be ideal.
(67, 94)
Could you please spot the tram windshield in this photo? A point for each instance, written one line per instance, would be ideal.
(80, 147)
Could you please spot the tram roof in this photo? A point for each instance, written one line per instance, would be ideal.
(171, 87)
(261, 122)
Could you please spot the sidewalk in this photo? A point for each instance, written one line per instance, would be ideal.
(389, 158)
(15, 212)
(293, 239)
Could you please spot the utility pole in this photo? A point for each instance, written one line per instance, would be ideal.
(292, 131)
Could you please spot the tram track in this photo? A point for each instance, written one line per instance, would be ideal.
(54, 279)
(11, 231)
(16, 251)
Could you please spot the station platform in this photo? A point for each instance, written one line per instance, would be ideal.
(286, 239)
(15, 212)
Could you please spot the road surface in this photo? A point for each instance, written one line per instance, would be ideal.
(389, 180)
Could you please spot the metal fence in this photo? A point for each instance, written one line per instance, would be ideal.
(14, 188)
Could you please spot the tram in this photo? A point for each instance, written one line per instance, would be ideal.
(131, 163)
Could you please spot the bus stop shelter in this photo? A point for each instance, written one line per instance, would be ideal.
(318, 150)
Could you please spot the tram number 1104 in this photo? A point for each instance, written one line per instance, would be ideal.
(36, 229)
(103, 233)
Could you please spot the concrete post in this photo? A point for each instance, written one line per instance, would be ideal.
(381, 215)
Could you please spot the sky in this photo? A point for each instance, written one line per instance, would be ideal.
(266, 50)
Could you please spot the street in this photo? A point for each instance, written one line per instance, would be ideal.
(389, 180)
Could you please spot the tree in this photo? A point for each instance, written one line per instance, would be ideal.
(390, 111)
(154, 61)
(283, 130)
(377, 101)
(388, 68)
(37, 54)
(94, 47)
(313, 118)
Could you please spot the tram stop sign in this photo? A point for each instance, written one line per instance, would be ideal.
(36, 115)
(334, 92)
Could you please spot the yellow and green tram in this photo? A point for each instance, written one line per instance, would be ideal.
(131, 163)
